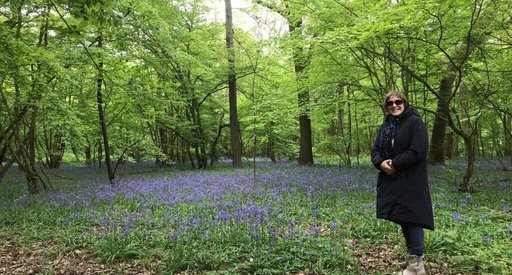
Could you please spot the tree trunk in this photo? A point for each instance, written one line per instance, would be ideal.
(358, 141)
(101, 114)
(467, 131)
(54, 148)
(33, 178)
(349, 146)
(236, 148)
(337, 126)
(189, 154)
(482, 151)
(270, 148)
(496, 144)
(4, 167)
(465, 185)
(449, 145)
(6, 136)
(214, 157)
(507, 131)
(306, 143)
(88, 155)
(200, 140)
(437, 154)
(164, 145)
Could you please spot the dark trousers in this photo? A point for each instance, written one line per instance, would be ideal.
(414, 238)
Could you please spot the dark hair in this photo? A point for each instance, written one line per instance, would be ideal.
(397, 94)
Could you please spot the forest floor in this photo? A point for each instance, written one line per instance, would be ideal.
(289, 220)
(39, 258)
(16, 259)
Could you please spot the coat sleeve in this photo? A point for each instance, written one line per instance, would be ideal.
(417, 150)
(376, 157)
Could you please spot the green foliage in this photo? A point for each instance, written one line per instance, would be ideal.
(117, 246)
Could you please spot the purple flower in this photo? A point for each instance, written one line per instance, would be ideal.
(314, 209)
(333, 226)
(223, 216)
(272, 232)
(126, 230)
(486, 239)
(506, 207)
(315, 229)
(456, 216)
(484, 217)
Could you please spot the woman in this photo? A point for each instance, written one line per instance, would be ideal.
(400, 152)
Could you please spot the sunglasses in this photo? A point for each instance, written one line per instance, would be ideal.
(397, 102)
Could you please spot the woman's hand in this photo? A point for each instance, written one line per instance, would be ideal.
(387, 167)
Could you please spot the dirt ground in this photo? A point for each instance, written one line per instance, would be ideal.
(36, 259)
(44, 258)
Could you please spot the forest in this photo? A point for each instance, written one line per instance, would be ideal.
(191, 136)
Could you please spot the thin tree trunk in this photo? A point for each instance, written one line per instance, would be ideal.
(349, 146)
(4, 167)
(358, 141)
(271, 151)
(341, 109)
(32, 176)
(482, 150)
(163, 144)
(200, 137)
(506, 120)
(465, 185)
(101, 114)
(496, 139)
(214, 157)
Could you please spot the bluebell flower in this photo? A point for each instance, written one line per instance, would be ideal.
(484, 217)
(314, 209)
(506, 207)
(333, 226)
(486, 239)
(315, 229)
(456, 216)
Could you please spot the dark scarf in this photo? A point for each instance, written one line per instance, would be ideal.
(386, 138)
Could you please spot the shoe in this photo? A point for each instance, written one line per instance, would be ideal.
(415, 266)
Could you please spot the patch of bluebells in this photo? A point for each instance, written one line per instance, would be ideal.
(306, 205)
(461, 163)
(202, 201)
(466, 200)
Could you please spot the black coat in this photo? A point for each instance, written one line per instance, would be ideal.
(405, 197)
